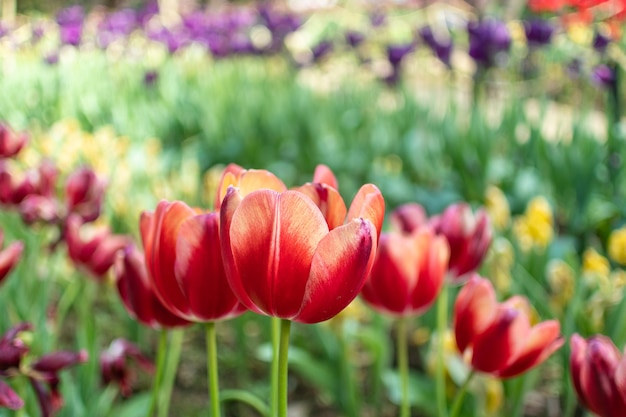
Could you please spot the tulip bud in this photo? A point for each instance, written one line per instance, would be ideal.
(8, 398)
(9, 256)
(11, 142)
(35, 208)
(114, 365)
(55, 362)
(84, 192)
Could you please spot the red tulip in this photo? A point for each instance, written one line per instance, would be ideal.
(598, 371)
(97, 254)
(9, 256)
(183, 256)
(408, 217)
(11, 142)
(498, 337)
(84, 192)
(469, 236)
(408, 273)
(289, 254)
(137, 294)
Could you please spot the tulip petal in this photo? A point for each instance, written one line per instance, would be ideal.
(200, 272)
(230, 176)
(324, 175)
(578, 346)
(369, 204)
(161, 261)
(473, 310)
(341, 264)
(432, 270)
(8, 397)
(273, 237)
(328, 200)
(9, 258)
(596, 377)
(248, 181)
(542, 342)
(501, 341)
(408, 217)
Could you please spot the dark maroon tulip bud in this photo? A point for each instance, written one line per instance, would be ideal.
(396, 53)
(12, 349)
(9, 256)
(487, 40)
(469, 236)
(11, 142)
(600, 42)
(138, 295)
(538, 32)
(48, 173)
(408, 217)
(8, 398)
(115, 367)
(84, 192)
(54, 362)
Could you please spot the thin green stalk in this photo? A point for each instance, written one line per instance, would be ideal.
(458, 400)
(283, 365)
(214, 389)
(248, 398)
(348, 394)
(402, 346)
(275, 321)
(169, 374)
(160, 367)
(440, 376)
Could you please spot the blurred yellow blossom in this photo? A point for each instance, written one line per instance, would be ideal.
(535, 227)
(562, 283)
(497, 207)
(499, 262)
(617, 246)
(493, 394)
(596, 264)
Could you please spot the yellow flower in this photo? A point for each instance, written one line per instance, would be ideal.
(595, 264)
(535, 227)
(497, 206)
(500, 260)
(617, 246)
(561, 281)
(494, 394)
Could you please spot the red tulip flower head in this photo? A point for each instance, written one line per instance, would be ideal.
(408, 272)
(598, 371)
(115, 367)
(497, 338)
(84, 193)
(469, 236)
(297, 254)
(9, 256)
(184, 261)
(11, 142)
(137, 294)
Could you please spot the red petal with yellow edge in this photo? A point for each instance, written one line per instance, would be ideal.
(501, 341)
(230, 176)
(473, 310)
(341, 264)
(167, 220)
(273, 237)
(393, 274)
(200, 271)
(324, 175)
(544, 339)
(432, 270)
(369, 204)
(328, 200)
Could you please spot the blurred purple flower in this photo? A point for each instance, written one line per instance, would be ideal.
(441, 47)
(354, 38)
(378, 18)
(71, 34)
(71, 16)
(488, 39)
(538, 32)
(603, 76)
(4, 30)
(397, 52)
(52, 58)
(116, 25)
(279, 24)
(600, 42)
(150, 9)
(150, 77)
(321, 50)
(37, 32)
(574, 68)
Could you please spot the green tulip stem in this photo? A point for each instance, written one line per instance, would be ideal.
(402, 347)
(440, 376)
(275, 321)
(160, 365)
(458, 400)
(283, 365)
(169, 373)
(214, 388)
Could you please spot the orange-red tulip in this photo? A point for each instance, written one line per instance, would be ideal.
(598, 371)
(184, 260)
(409, 270)
(297, 254)
(137, 294)
(498, 337)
